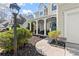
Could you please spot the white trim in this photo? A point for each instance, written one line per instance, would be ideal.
(57, 17)
(46, 16)
(45, 26)
(71, 10)
(36, 27)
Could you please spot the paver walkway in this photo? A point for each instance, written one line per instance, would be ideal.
(45, 48)
(34, 40)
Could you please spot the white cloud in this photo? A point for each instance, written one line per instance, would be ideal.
(27, 12)
(21, 4)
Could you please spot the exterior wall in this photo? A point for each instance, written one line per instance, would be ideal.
(42, 10)
(46, 11)
(50, 11)
(61, 9)
(49, 8)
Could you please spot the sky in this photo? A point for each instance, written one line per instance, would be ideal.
(28, 7)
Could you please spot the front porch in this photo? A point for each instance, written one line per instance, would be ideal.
(43, 25)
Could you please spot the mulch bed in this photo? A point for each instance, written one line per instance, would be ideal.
(59, 44)
(28, 50)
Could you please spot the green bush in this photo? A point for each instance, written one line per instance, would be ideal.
(18, 26)
(6, 38)
(54, 34)
(23, 35)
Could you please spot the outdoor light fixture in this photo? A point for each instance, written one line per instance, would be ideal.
(15, 10)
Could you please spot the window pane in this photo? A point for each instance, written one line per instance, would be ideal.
(54, 7)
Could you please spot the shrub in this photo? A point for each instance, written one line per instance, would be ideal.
(18, 26)
(23, 35)
(6, 38)
(54, 34)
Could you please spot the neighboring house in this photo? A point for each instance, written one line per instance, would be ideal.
(1, 21)
(2, 27)
(23, 20)
(64, 17)
(5, 24)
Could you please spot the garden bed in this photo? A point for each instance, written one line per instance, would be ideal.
(26, 50)
(59, 44)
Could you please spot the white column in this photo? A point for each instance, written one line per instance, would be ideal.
(30, 26)
(50, 26)
(36, 27)
(44, 26)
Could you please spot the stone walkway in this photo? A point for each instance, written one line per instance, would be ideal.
(34, 40)
(45, 48)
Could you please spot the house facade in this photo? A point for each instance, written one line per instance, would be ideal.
(63, 17)
(45, 19)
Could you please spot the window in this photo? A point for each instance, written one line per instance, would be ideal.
(53, 24)
(41, 13)
(54, 7)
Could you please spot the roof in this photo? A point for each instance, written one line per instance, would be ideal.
(1, 26)
(1, 21)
